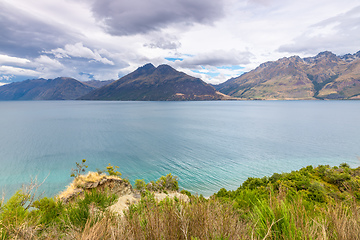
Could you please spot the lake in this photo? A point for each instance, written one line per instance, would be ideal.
(209, 145)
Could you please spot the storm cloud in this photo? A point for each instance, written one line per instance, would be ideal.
(216, 58)
(23, 34)
(138, 17)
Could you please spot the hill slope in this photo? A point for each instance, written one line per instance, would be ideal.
(42, 89)
(149, 83)
(97, 83)
(325, 76)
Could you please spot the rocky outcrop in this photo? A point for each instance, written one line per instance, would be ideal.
(109, 184)
(112, 185)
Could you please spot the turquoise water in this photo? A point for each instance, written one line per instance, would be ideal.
(209, 145)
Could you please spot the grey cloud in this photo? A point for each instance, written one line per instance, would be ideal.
(138, 16)
(216, 59)
(337, 34)
(164, 42)
(24, 35)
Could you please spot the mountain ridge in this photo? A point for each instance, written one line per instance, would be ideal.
(324, 76)
(61, 88)
(150, 83)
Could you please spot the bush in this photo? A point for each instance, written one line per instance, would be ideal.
(111, 170)
(13, 211)
(185, 192)
(168, 182)
(48, 211)
(93, 202)
(164, 183)
(140, 185)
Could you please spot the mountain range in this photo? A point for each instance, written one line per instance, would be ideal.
(324, 76)
(61, 88)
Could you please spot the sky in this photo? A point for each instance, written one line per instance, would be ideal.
(214, 40)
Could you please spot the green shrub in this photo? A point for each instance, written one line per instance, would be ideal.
(13, 211)
(112, 170)
(186, 192)
(94, 202)
(168, 182)
(164, 183)
(140, 185)
(48, 211)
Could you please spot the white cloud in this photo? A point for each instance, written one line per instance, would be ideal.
(5, 78)
(340, 34)
(9, 70)
(45, 62)
(78, 50)
(16, 60)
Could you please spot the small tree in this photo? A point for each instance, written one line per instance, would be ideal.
(80, 167)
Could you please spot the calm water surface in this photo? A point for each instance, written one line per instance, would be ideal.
(209, 145)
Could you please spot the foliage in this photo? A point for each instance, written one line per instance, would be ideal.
(48, 211)
(112, 170)
(311, 203)
(185, 192)
(168, 182)
(80, 168)
(140, 185)
(13, 211)
(95, 201)
(164, 183)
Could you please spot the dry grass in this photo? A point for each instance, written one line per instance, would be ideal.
(208, 219)
(81, 180)
(171, 220)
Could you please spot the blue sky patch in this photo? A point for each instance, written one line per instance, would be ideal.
(233, 67)
(211, 74)
(174, 59)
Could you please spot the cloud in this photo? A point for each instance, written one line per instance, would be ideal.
(338, 34)
(78, 50)
(23, 34)
(164, 41)
(5, 78)
(9, 70)
(2, 83)
(16, 60)
(138, 16)
(45, 61)
(216, 58)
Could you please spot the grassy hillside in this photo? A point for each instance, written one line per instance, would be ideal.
(311, 203)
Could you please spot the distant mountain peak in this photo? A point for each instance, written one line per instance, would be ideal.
(325, 54)
(147, 66)
(149, 83)
(165, 69)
